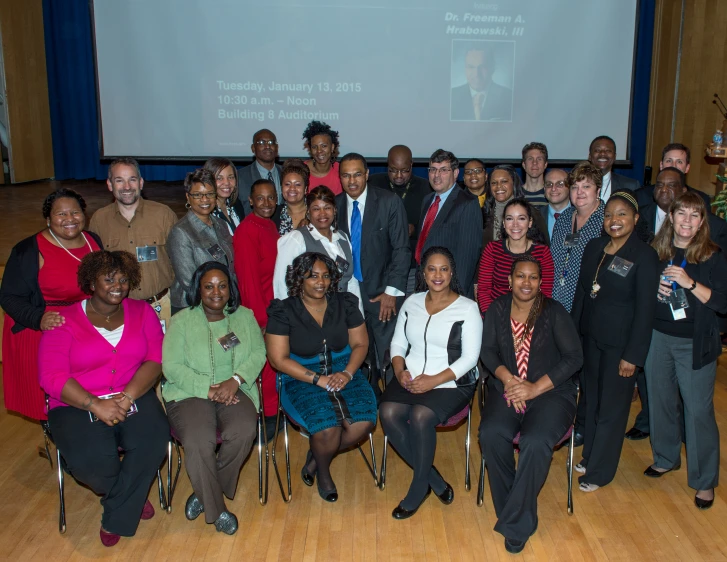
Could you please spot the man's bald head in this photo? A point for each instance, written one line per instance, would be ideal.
(400, 163)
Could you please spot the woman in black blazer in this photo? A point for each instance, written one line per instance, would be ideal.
(532, 348)
(614, 310)
(685, 345)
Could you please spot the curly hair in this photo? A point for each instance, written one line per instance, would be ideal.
(61, 193)
(421, 283)
(103, 262)
(296, 166)
(585, 171)
(200, 175)
(302, 268)
(533, 234)
(216, 165)
(517, 187)
(234, 301)
(320, 128)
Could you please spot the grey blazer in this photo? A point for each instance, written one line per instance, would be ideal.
(246, 177)
(190, 244)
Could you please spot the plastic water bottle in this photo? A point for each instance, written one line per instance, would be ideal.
(717, 138)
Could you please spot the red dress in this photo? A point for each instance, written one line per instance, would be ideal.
(255, 246)
(59, 285)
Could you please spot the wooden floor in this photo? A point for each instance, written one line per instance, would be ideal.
(634, 518)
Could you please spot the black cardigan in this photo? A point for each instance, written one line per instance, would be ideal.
(555, 348)
(20, 295)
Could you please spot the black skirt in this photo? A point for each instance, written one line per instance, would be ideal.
(444, 402)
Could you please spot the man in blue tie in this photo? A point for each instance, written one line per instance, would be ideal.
(376, 223)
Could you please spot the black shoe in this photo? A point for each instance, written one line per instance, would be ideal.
(269, 427)
(634, 434)
(578, 439)
(513, 546)
(653, 473)
(226, 523)
(330, 496)
(447, 496)
(401, 513)
(308, 478)
(703, 504)
(193, 507)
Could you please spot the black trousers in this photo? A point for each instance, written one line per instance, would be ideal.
(608, 401)
(91, 452)
(380, 334)
(544, 423)
(642, 419)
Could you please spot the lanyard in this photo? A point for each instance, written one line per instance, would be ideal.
(674, 285)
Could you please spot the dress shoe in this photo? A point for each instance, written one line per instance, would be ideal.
(330, 496)
(193, 507)
(578, 439)
(148, 511)
(515, 547)
(651, 472)
(401, 513)
(226, 523)
(703, 504)
(108, 539)
(308, 478)
(635, 434)
(446, 497)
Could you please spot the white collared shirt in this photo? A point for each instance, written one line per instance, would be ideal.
(606, 187)
(660, 216)
(392, 291)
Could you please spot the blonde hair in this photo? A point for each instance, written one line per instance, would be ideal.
(700, 247)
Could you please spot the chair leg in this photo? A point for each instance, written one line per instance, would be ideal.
(46, 443)
(61, 497)
(262, 475)
(372, 469)
(287, 498)
(382, 474)
(467, 485)
(569, 471)
(162, 499)
(481, 485)
(172, 481)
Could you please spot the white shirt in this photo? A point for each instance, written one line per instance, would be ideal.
(393, 291)
(660, 216)
(606, 187)
(292, 245)
(474, 92)
(111, 336)
(428, 336)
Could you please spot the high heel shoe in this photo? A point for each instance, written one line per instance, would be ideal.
(704, 504)
(308, 478)
(330, 496)
(401, 513)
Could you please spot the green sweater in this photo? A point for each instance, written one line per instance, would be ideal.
(188, 356)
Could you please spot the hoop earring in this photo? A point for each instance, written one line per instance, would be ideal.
(187, 205)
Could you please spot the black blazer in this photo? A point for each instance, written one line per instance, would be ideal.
(20, 295)
(245, 178)
(458, 227)
(498, 104)
(622, 314)
(555, 348)
(622, 182)
(385, 252)
(645, 196)
(717, 226)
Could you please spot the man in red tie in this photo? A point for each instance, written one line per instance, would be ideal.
(451, 217)
(558, 196)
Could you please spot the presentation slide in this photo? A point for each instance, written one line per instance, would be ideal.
(197, 78)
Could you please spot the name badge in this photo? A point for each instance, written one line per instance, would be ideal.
(228, 341)
(131, 411)
(146, 253)
(620, 266)
(572, 239)
(216, 252)
(342, 264)
(164, 326)
(678, 303)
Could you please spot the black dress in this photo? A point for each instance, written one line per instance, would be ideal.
(324, 350)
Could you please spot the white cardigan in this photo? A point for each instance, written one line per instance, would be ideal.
(428, 336)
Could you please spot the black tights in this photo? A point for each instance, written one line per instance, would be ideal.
(412, 432)
(327, 443)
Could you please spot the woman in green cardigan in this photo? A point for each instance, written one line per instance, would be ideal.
(212, 354)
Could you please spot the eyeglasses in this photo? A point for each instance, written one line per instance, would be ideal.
(397, 171)
(439, 171)
(473, 171)
(265, 142)
(355, 175)
(551, 185)
(197, 196)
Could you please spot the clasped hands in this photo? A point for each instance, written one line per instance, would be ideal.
(419, 385)
(335, 382)
(518, 391)
(224, 392)
(111, 411)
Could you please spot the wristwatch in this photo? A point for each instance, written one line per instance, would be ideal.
(316, 378)
(694, 285)
(237, 379)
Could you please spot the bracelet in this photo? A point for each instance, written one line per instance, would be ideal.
(350, 376)
(316, 378)
(238, 380)
(129, 397)
(508, 380)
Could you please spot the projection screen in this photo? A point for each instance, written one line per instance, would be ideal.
(196, 78)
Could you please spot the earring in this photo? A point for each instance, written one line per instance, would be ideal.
(187, 205)
(48, 222)
(510, 287)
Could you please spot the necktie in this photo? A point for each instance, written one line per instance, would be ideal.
(270, 176)
(556, 215)
(356, 241)
(477, 102)
(426, 227)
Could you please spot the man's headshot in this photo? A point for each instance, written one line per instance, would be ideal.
(481, 97)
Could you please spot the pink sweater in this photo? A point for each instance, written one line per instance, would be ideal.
(76, 350)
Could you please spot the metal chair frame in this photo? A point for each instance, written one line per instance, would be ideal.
(261, 436)
(282, 414)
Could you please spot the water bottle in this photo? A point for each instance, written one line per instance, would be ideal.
(717, 138)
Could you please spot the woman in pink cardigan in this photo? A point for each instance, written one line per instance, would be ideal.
(99, 369)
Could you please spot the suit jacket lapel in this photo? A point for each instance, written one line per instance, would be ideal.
(447, 207)
(372, 207)
(342, 209)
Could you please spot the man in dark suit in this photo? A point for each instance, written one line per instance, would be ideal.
(675, 155)
(375, 221)
(451, 217)
(265, 148)
(670, 184)
(558, 195)
(602, 154)
(480, 99)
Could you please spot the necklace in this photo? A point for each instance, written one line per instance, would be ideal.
(66, 249)
(309, 307)
(595, 287)
(527, 246)
(108, 317)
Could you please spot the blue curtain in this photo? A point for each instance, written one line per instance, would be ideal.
(74, 117)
